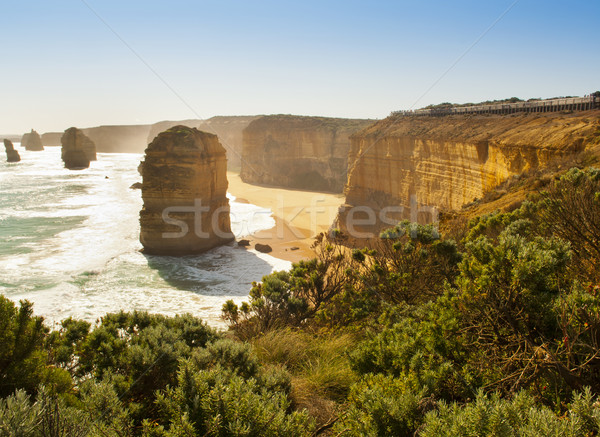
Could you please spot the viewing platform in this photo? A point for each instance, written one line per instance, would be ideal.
(550, 105)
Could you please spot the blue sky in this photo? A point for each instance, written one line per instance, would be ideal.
(62, 65)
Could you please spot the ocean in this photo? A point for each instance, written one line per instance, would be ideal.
(69, 243)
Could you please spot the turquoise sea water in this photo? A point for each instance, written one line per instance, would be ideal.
(69, 243)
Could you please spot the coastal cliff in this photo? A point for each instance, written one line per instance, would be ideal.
(135, 138)
(119, 139)
(52, 139)
(186, 209)
(298, 152)
(411, 167)
(227, 128)
(109, 139)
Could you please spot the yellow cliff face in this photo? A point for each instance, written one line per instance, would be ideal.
(443, 163)
(298, 152)
(227, 128)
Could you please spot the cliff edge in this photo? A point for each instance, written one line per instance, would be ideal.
(407, 167)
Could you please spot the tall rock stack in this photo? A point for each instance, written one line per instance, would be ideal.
(186, 210)
(77, 149)
(24, 140)
(11, 154)
(32, 142)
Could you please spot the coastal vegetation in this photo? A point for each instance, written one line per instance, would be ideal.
(485, 326)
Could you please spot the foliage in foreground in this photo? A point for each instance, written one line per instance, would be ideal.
(496, 334)
(141, 374)
(514, 306)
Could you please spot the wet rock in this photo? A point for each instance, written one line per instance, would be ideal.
(264, 248)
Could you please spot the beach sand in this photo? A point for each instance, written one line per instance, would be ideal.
(299, 216)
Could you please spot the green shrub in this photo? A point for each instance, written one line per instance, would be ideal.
(570, 209)
(218, 402)
(286, 299)
(423, 348)
(18, 416)
(521, 416)
(409, 264)
(382, 406)
(50, 415)
(24, 358)
(140, 353)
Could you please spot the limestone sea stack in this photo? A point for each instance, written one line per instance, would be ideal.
(11, 154)
(77, 149)
(186, 209)
(32, 141)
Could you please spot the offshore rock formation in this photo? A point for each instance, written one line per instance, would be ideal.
(11, 154)
(298, 152)
(184, 189)
(228, 129)
(77, 149)
(32, 141)
(412, 167)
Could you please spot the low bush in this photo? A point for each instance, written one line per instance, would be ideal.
(521, 415)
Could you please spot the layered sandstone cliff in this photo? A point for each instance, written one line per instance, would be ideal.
(109, 139)
(135, 138)
(413, 167)
(298, 152)
(52, 139)
(227, 128)
(184, 189)
(32, 141)
(119, 139)
(11, 154)
(77, 149)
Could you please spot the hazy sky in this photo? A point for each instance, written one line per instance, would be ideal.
(62, 65)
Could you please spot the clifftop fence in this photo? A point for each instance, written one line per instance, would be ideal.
(551, 105)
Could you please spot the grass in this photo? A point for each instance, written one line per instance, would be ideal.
(319, 365)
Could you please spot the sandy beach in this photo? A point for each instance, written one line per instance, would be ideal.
(299, 216)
